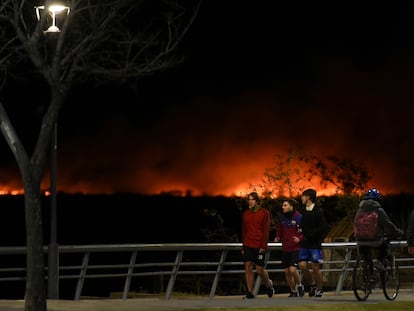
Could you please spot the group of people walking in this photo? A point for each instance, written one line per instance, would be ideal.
(301, 235)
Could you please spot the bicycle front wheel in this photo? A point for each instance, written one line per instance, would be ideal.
(360, 280)
(390, 278)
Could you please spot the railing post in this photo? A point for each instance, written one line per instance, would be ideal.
(174, 273)
(82, 274)
(129, 275)
(343, 273)
(53, 272)
(218, 273)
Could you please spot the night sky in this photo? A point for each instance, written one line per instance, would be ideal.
(258, 78)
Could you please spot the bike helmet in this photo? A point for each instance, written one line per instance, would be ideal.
(373, 194)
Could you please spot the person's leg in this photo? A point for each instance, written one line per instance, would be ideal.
(365, 252)
(384, 252)
(293, 281)
(286, 259)
(317, 274)
(300, 289)
(264, 274)
(317, 260)
(295, 275)
(249, 274)
(293, 268)
(307, 276)
(305, 255)
(249, 255)
(290, 279)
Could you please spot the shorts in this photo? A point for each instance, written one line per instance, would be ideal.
(311, 254)
(253, 255)
(290, 259)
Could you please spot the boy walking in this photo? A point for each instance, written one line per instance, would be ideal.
(314, 227)
(255, 237)
(289, 231)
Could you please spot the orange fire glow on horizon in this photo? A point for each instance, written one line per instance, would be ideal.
(228, 158)
(238, 191)
(6, 191)
(179, 188)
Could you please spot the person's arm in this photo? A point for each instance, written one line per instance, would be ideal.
(265, 231)
(243, 230)
(389, 227)
(279, 230)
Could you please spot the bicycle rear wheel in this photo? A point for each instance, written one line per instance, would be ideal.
(390, 278)
(360, 279)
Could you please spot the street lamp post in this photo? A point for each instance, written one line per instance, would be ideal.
(53, 250)
(53, 253)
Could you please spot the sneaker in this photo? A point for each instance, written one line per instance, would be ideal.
(293, 294)
(270, 289)
(301, 290)
(312, 291)
(249, 295)
(318, 293)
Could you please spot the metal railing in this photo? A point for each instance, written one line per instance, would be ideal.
(141, 260)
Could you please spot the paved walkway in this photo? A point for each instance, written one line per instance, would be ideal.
(218, 302)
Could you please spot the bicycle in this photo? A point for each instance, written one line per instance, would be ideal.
(369, 274)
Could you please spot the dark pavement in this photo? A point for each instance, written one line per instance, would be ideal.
(194, 303)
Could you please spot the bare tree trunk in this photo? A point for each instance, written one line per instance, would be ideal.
(31, 171)
(35, 296)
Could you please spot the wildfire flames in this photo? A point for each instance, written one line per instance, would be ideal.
(217, 147)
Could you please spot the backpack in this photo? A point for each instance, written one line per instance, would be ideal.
(366, 226)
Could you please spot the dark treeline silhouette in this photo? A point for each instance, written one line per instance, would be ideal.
(132, 218)
(123, 218)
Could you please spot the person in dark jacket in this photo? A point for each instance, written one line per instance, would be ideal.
(386, 229)
(314, 229)
(289, 232)
(410, 234)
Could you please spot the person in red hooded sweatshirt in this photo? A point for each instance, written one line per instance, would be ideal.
(289, 232)
(255, 237)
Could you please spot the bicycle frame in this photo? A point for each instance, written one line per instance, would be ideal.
(368, 275)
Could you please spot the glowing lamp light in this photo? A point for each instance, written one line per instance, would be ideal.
(53, 11)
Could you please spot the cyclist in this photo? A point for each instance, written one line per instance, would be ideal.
(386, 229)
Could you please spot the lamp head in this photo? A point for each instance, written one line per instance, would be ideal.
(53, 10)
(56, 8)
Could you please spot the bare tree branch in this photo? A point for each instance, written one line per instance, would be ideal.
(10, 134)
(105, 40)
(118, 50)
